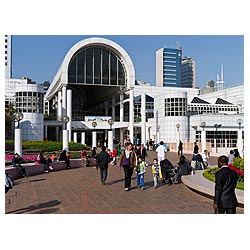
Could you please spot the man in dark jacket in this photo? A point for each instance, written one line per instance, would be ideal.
(225, 200)
(102, 162)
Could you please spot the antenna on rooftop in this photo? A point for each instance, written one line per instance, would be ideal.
(220, 79)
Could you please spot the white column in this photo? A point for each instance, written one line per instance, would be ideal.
(18, 141)
(178, 138)
(240, 142)
(131, 115)
(110, 140)
(64, 100)
(75, 137)
(59, 104)
(69, 111)
(157, 130)
(94, 144)
(143, 118)
(203, 140)
(65, 139)
(83, 138)
(121, 107)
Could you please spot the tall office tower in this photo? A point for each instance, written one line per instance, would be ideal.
(8, 61)
(188, 73)
(168, 67)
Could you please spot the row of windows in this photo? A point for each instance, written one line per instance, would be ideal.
(175, 106)
(212, 109)
(96, 66)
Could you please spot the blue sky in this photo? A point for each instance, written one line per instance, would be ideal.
(39, 56)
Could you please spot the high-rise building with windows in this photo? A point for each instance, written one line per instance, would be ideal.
(168, 67)
(8, 63)
(174, 71)
(188, 73)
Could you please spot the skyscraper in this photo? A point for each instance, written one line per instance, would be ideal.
(188, 73)
(8, 63)
(168, 67)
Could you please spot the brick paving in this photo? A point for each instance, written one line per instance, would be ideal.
(79, 191)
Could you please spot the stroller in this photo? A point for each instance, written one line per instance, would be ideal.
(168, 171)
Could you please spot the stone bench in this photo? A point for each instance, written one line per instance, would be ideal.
(37, 169)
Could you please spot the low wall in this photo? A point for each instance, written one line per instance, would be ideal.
(36, 169)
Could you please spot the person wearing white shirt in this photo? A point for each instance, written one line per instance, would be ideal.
(161, 150)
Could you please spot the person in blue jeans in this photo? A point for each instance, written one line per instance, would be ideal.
(141, 168)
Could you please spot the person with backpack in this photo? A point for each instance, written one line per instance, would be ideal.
(102, 162)
(128, 162)
(197, 161)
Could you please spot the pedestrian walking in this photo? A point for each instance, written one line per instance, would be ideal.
(140, 170)
(225, 200)
(143, 152)
(102, 162)
(156, 171)
(161, 150)
(196, 147)
(180, 148)
(128, 162)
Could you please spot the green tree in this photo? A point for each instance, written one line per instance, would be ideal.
(9, 121)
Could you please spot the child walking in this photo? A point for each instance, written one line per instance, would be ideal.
(156, 171)
(141, 168)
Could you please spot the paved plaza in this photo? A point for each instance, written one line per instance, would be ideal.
(79, 191)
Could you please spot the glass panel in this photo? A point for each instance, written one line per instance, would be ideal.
(80, 67)
(113, 70)
(72, 71)
(89, 65)
(97, 66)
(105, 67)
(121, 74)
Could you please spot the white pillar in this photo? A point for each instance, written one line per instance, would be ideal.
(69, 111)
(131, 114)
(64, 101)
(121, 107)
(178, 138)
(83, 138)
(157, 130)
(240, 142)
(18, 141)
(65, 139)
(94, 144)
(75, 137)
(59, 104)
(203, 140)
(143, 118)
(110, 140)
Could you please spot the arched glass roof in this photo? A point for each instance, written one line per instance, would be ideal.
(96, 65)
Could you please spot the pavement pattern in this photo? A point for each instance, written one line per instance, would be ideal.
(79, 191)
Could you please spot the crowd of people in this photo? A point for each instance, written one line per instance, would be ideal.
(133, 160)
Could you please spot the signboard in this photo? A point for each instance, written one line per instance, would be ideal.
(97, 118)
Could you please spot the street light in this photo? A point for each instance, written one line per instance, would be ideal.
(94, 124)
(216, 128)
(203, 125)
(65, 133)
(18, 134)
(178, 126)
(111, 122)
(239, 121)
(18, 118)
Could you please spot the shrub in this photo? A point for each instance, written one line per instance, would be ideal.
(238, 163)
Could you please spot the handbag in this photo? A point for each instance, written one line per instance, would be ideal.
(125, 162)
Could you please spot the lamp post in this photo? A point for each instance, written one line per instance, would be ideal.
(65, 133)
(110, 135)
(203, 136)
(94, 124)
(239, 141)
(178, 135)
(216, 129)
(18, 134)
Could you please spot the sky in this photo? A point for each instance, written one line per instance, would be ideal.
(39, 56)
